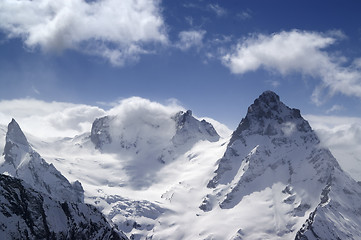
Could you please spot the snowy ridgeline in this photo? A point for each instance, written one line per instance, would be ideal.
(158, 174)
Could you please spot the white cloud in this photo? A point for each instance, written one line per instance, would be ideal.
(142, 121)
(49, 119)
(189, 20)
(343, 136)
(115, 29)
(218, 10)
(335, 108)
(138, 104)
(244, 15)
(189, 39)
(298, 52)
(288, 128)
(60, 119)
(273, 83)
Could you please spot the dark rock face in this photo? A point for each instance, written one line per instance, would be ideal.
(266, 115)
(100, 132)
(191, 130)
(28, 214)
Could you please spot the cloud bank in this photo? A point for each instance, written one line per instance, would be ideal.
(118, 30)
(49, 119)
(298, 52)
(60, 119)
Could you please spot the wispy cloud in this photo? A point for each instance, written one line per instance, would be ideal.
(189, 39)
(244, 15)
(298, 52)
(273, 83)
(35, 90)
(118, 30)
(218, 10)
(334, 108)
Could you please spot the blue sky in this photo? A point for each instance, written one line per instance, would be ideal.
(214, 57)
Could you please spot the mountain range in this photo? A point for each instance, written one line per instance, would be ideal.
(169, 175)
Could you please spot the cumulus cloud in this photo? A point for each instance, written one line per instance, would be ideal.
(343, 136)
(49, 119)
(144, 122)
(118, 30)
(298, 52)
(189, 39)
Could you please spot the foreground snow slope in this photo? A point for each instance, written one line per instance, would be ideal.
(159, 174)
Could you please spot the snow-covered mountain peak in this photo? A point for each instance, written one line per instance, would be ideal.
(268, 116)
(16, 144)
(144, 142)
(20, 160)
(268, 106)
(15, 134)
(271, 126)
(190, 130)
(123, 133)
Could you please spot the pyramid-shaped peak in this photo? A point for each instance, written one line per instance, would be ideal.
(268, 105)
(269, 97)
(269, 116)
(15, 134)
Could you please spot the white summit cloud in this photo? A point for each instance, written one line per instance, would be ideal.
(60, 119)
(189, 39)
(301, 52)
(118, 30)
(342, 136)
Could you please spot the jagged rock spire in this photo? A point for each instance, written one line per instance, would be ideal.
(16, 144)
(22, 162)
(15, 134)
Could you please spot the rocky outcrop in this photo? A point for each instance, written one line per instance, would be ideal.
(29, 214)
